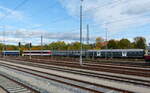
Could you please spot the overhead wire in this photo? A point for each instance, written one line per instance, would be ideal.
(106, 5)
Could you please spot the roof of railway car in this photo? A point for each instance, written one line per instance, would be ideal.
(117, 50)
(11, 51)
(37, 51)
(67, 50)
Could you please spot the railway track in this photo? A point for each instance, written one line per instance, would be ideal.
(12, 86)
(87, 86)
(130, 63)
(133, 81)
(93, 74)
(100, 67)
(106, 68)
(106, 62)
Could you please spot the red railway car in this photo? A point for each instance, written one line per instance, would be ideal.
(37, 53)
(147, 54)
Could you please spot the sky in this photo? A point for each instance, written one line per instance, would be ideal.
(58, 20)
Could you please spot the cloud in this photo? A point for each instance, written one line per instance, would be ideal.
(139, 7)
(119, 14)
(11, 14)
(9, 40)
(34, 35)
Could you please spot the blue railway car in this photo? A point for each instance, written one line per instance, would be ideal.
(11, 53)
(117, 53)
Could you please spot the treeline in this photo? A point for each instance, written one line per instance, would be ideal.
(138, 43)
(100, 43)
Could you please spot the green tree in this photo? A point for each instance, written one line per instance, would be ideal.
(12, 47)
(140, 42)
(99, 42)
(59, 45)
(74, 46)
(1, 46)
(112, 44)
(27, 46)
(86, 46)
(124, 44)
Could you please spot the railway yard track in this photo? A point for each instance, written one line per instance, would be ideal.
(84, 87)
(137, 71)
(92, 74)
(12, 86)
(135, 81)
(133, 63)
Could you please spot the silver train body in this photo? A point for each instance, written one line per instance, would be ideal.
(109, 53)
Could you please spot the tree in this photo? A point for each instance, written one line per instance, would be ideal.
(124, 44)
(1, 46)
(11, 47)
(99, 42)
(27, 46)
(59, 45)
(36, 47)
(87, 46)
(74, 46)
(112, 44)
(140, 42)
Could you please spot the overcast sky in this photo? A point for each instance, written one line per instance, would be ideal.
(59, 20)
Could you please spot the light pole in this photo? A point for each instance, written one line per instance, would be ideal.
(87, 34)
(41, 45)
(87, 38)
(30, 50)
(106, 40)
(81, 32)
(4, 47)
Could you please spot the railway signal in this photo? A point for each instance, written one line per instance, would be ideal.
(30, 45)
(19, 44)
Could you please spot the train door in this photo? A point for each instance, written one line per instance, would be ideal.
(98, 54)
(124, 53)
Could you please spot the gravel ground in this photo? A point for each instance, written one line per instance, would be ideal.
(105, 90)
(133, 88)
(2, 91)
(42, 85)
(107, 73)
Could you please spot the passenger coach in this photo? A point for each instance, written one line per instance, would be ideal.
(37, 53)
(117, 53)
(109, 53)
(147, 54)
(11, 53)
